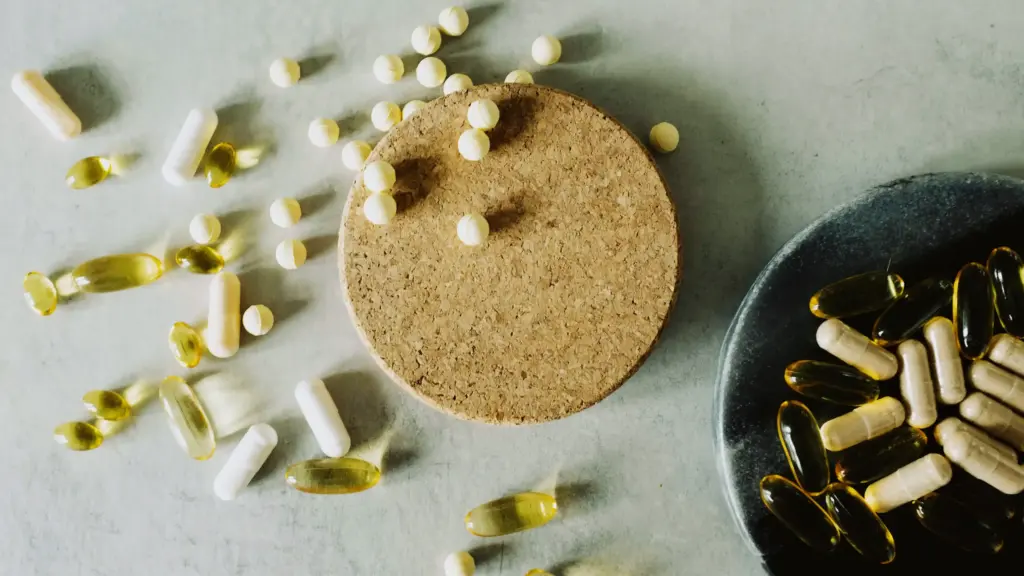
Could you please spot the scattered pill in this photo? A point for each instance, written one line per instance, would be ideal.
(380, 208)
(379, 176)
(863, 529)
(332, 476)
(285, 72)
(199, 259)
(189, 147)
(1008, 352)
(88, 172)
(854, 295)
(45, 103)
(323, 132)
(411, 107)
(1006, 269)
(186, 344)
(388, 68)
(801, 442)
(919, 303)
(78, 436)
(258, 320)
(220, 165)
(431, 72)
(836, 383)
(355, 153)
(511, 514)
(453, 20)
(290, 254)
(855, 349)
(940, 335)
(546, 50)
(998, 383)
(953, 425)
(664, 138)
(916, 386)
(385, 115)
(107, 404)
(879, 457)
(456, 83)
(863, 423)
(474, 144)
(538, 572)
(40, 293)
(426, 40)
(984, 464)
(483, 114)
(994, 418)
(985, 502)
(473, 229)
(922, 476)
(285, 212)
(322, 415)
(973, 310)
(956, 524)
(187, 418)
(204, 228)
(519, 77)
(459, 564)
(246, 459)
(223, 320)
(117, 272)
(799, 512)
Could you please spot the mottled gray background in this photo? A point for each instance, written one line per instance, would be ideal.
(785, 108)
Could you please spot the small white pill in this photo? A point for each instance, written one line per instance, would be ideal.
(285, 212)
(380, 208)
(456, 83)
(474, 144)
(385, 115)
(863, 423)
(916, 386)
(949, 369)
(985, 464)
(856, 349)
(321, 414)
(45, 103)
(483, 114)
(204, 228)
(426, 40)
(190, 146)
(1008, 352)
(285, 72)
(664, 137)
(379, 176)
(994, 418)
(459, 564)
(473, 229)
(546, 50)
(258, 320)
(323, 132)
(431, 72)
(354, 154)
(411, 107)
(223, 322)
(952, 425)
(519, 77)
(245, 461)
(388, 68)
(922, 476)
(453, 20)
(290, 254)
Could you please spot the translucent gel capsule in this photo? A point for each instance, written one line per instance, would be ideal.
(801, 441)
(836, 383)
(973, 310)
(107, 404)
(538, 572)
(515, 513)
(1008, 352)
(1006, 269)
(863, 423)
(863, 529)
(954, 523)
(879, 457)
(88, 172)
(186, 344)
(199, 259)
(188, 421)
(221, 163)
(919, 303)
(332, 476)
(940, 335)
(856, 349)
(916, 386)
(117, 272)
(857, 295)
(799, 512)
(40, 293)
(984, 502)
(78, 435)
(924, 475)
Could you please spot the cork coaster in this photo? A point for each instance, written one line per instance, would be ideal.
(567, 297)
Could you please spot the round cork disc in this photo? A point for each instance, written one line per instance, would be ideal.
(569, 293)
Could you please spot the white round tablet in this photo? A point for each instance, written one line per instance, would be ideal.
(284, 72)
(519, 77)
(546, 50)
(385, 115)
(204, 228)
(453, 20)
(426, 40)
(285, 212)
(258, 320)
(473, 229)
(354, 154)
(380, 208)
(323, 132)
(411, 107)
(379, 176)
(290, 254)
(474, 144)
(388, 68)
(483, 114)
(457, 82)
(431, 72)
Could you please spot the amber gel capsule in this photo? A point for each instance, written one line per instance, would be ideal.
(801, 441)
(107, 404)
(1006, 268)
(879, 457)
(863, 529)
(117, 272)
(78, 436)
(836, 383)
(991, 506)
(220, 164)
(515, 513)
(199, 259)
(187, 418)
(332, 476)
(973, 310)
(799, 512)
(40, 293)
(88, 172)
(906, 315)
(954, 523)
(186, 344)
(857, 295)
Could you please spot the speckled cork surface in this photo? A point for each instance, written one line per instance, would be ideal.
(568, 295)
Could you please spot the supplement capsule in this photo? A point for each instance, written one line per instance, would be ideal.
(516, 513)
(459, 564)
(799, 512)
(801, 441)
(332, 476)
(856, 350)
(949, 370)
(953, 425)
(220, 164)
(321, 414)
(879, 457)
(107, 404)
(984, 502)
(186, 344)
(908, 313)
(927, 474)
(40, 293)
(1006, 269)
(863, 529)
(189, 147)
(954, 523)
(836, 383)
(87, 172)
(863, 423)
(856, 295)
(188, 421)
(973, 310)
(78, 436)
(224, 321)
(246, 459)
(46, 104)
(916, 384)
(117, 272)
(1008, 352)
(199, 259)
(538, 572)
(994, 418)
(984, 464)
(999, 383)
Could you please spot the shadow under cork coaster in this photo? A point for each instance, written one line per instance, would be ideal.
(570, 292)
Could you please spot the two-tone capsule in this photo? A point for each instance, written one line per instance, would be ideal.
(863, 423)
(332, 476)
(515, 513)
(973, 310)
(879, 457)
(836, 383)
(186, 344)
(906, 315)
(863, 529)
(852, 347)
(799, 512)
(801, 442)
(187, 418)
(940, 335)
(78, 436)
(922, 476)
(994, 418)
(954, 523)
(199, 259)
(1008, 352)
(117, 272)
(107, 404)
(221, 163)
(40, 293)
(857, 295)
(1006, 269)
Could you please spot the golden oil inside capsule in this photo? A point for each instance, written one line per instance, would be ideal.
(199, 259)
(117, 272)
(863, 529)
(879, 457)
(332, 476)
(538, 572)
(88, 172)
(107, 404)
(40, 293)
(186, 344)
(801, 441)
(856, 295)
(799, 512)
(220, 165)
(954, 523)
(836, 383)
(188, 421)
(986, 503)
(78, 435)
(973, 310)
(515, 513)
(906, 315)
(1006, 269)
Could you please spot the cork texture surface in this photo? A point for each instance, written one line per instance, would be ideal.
(571, 290)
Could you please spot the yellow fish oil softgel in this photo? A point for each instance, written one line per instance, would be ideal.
(224, 320)
(1008, 352)
(916, 384)
(801, 442)
(799, 512)
(834, 383)
(220, 166)
(856, 295)
(999, 383)
(940, 335)
(40, 293)
(863, 423)
(879, 457)
(199, 259)
(538, 572)
(985, 502)
(994, 418)
(332, 476)
(984, 464)
(186, 344)
(189, 147)
(1006, 269)
(919, 303)
(857, 350)
(117, 272)
(922, 476)
(952, 425)
(46, 104)
(511, 514)
(956, 524)
(973, 310)
(863, 529)
(107, 404)
(88, 172)
(187, 418)
(78, 436)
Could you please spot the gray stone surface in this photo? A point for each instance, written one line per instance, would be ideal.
(785, 108)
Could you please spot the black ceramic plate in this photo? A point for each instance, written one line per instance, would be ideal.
(920, 227)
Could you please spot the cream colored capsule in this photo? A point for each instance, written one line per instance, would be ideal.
(864, 423)
(1001, 384)
(953, 425)
(1008, 352)
(190, 146)
(856, 349)
(985, 465)
(920, 477)
(322, 415)
(949, 369)
(246, 459)
(45, 103)
(994, 418)
(223, 323)
(916, 384)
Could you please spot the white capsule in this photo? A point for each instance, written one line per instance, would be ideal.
(426, 40)
(323, 132)
(949, 369)
(246, 459)
(285, 72)
(290, 254)
(204, 228)
(483, 114)
(457, 83)
(459, 564)
(546, 50)
(411, 107)
(379, 176)
(190, 146)
(285, 212)
(856, 349)
(385, 115)
(223, 323)
(920, 477)
(1008, 352)
(994, 418)
(519, 77)
(453, 20)
(953, 425)
(45, 103)
(474, 144)
(473, 229)
(354, 154)
(984, 464)
(380, 208)
(258, 320)
(431, 72)
(388, 68)
(321, 414)
(916, 385)
(863, 423)
(999, 383)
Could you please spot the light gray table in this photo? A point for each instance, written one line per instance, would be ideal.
(786, 109)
